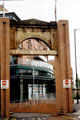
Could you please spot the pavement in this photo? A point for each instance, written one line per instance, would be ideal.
(35, 116)
(76, 109)
(29, 116)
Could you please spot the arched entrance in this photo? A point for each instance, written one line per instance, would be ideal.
(33, 77)
(56, 36)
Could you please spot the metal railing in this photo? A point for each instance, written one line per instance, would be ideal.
(25, 102)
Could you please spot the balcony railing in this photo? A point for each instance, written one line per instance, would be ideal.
(36, 63)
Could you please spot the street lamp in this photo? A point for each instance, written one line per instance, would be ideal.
(75, 30)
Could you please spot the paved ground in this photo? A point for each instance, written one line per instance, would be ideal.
(44, 118)
(40, 117)
(76, 113)
(29, 116)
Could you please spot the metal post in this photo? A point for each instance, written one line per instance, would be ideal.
(3, 6)
(21, 89)
(3, 9)
(33, 82)
(77, 95)
(55, 10)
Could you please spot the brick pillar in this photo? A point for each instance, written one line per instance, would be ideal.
(4, 64)
(63, 69)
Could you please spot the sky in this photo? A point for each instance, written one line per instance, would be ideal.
(44, 10)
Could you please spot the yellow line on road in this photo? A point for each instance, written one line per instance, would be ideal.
(68, 117)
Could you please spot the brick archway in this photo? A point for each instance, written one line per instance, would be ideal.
(56, 35)
(33, 36)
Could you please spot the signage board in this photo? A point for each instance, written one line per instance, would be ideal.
(38, 91)
(4, 84)
(66, 83)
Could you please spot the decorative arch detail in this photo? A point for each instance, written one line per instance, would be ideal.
(34, 35)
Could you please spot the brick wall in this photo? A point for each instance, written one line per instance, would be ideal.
(4, 62)
(46, 108)
(63, 69)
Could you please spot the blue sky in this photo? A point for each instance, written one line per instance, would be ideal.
(44, 10)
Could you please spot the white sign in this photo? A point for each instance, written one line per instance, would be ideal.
(66, 83)
(4, 84)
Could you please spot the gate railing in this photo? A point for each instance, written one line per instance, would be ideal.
(25, 102)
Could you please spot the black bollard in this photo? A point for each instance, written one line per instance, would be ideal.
(10, 115)
(61, 112)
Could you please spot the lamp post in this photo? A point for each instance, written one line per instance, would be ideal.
(75, 30)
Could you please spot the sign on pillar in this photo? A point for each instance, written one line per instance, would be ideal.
(4, 84)
(66, 83)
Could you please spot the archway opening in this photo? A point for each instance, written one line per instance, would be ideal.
(34, 75)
